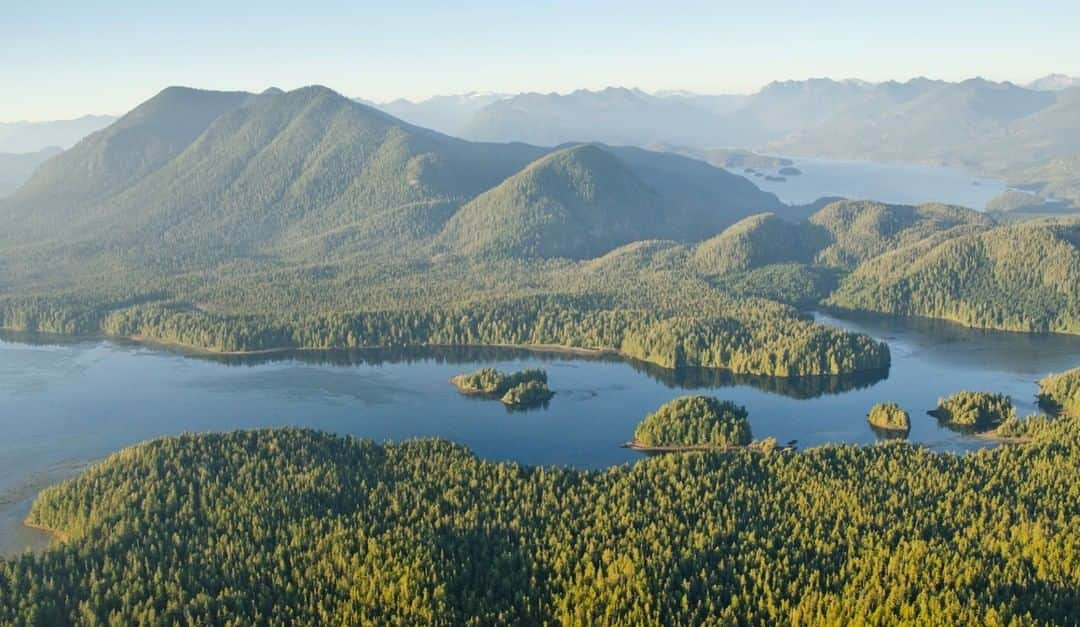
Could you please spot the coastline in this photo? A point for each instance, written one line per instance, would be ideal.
(194, 350)
(854, 314)
(990, 436)
(689, 448)
(55, 534)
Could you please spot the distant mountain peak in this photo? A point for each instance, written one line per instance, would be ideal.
(1054, 82)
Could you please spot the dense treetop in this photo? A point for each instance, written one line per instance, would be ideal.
(1060, 393)
(889, 416)
(694, 421)
(527, 393)
(303, 527)
(1023, 277)
(496, 382)
(975, 409)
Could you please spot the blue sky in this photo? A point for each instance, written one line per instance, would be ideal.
(63, 59)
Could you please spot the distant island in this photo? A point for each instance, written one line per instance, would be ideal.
(789, 171)
(974, 410)
(515, 389)
(890, 417)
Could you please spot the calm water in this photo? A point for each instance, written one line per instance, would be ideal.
(67, 403)
(900, 183)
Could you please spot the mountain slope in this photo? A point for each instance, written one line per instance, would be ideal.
(861, 230)
(15, 168)
(577, 202)
(1023, 277)
(271, 170)
(585, 200)
(758, 241)
(112, 159)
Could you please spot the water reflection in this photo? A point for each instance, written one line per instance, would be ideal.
(681, 378)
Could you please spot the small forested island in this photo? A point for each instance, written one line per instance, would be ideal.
(693, 422)
(533, 392)
(1060, 393)
(492, 383)
(976, 410)
(889, 416)
(789, 171)
(775, 179)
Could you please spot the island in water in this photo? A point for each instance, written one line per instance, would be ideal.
(974, 410)
(694, 423)
(527, 394)
(889, 417)
(516, 389)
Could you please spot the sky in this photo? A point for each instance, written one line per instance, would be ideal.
(62, 59)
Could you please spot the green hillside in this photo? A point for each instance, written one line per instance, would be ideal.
(861, 230)
(304, 219)
(1024, 277)
(758, 241)
(112, 159)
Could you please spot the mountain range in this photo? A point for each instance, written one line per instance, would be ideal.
(28, 137)
(992, 127)
(192, 179)
(998, 129)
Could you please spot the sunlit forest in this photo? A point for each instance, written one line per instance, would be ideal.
(305, 527)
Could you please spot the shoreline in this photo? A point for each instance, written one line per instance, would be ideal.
(854, 314)
(690, 448)
(198, 351)
(55, 534)
(990, 436)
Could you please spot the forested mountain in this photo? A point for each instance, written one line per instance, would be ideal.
(583, 201)
(194, 174)
(304, 219)
(109, 161)
(758, 241)
(237, 222)
(288, 526)
(192, 177)
(861, 230)
(27, 137)
(1023, 277)
(577, 202)
(15, 168)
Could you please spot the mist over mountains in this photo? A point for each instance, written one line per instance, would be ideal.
(26, 137)
(974, 123)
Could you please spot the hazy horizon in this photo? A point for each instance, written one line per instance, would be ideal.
(69, 60)
(562, 92)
